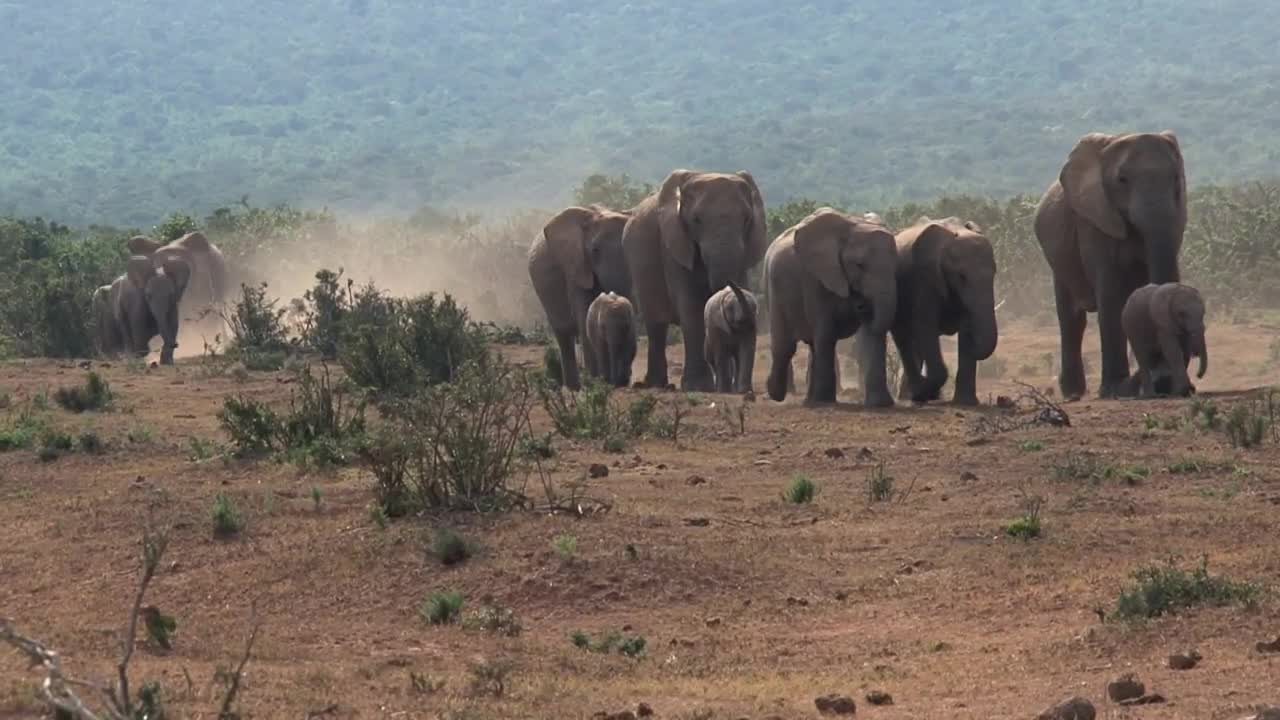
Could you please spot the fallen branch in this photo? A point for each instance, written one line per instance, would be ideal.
(234, 686)
(1030, 409)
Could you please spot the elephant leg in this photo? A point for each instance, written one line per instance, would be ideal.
(1114, 291)
(744, 366)
(781, 376)
(656, 374)
(929, 346)
(910, 362)
(723, 367)
(1071, 325)
(875, 387)
(568, 360)
(697, 370)
(1176, 360)
(600, 358)
(822, 360)
(966, 390)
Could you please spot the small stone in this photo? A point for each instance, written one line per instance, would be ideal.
(762, 463)
(598, 470)
(697, 521)
(879, 697)
(975, 442)
(967, 476)
(1076, 708)
(835, 705)
(842, 595)
(662, 466)
(834, 453)
(714, 622)
(1272, 646)
(1146, 699)
(1005, 402)
(1125, 687)
(798, 601)
(865, 453)
(696, 480)
(1184, 660)
(643, 710)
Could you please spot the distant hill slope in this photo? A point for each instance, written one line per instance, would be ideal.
(121, 111)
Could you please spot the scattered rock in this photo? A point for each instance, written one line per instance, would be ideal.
(900, 430)
(911, 567)
(842, 595)
(1269, 713)
(714, 622)
(598, 470)
(1146, 699)
(697, 521)
(1004, 402)
(833, 453)
(967, 476)
(748, 396)
(835, 705)
(762, 463)
(631, 552)
(1184, 660)
(974, 442)
(624, 715)
(662, 466)
(865, 453)
(797, 601)
(879, 697)
(696, 480)
(1272, 646)
(1125, 687)
(1076, 708)
(643, 710)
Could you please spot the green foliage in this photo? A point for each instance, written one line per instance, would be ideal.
(493, 619)
(227, 520)
(160, 627)
(90, 442)
(177, 225)
(94, 394)
(1026, 526)
(328, 304)
(880, 484)
(593, 414)
(397, 347)
(442, 608)
(566, 546)
(1031, 446)
(449, 548)
(23, 430)
(631, 646)
(1204, 414)
(552, 369)
(1247, 423)
(532, 447)
(453, 445)
(252, 424)
(54, 444)
(1164, 589)
(800, 491)
(617, 193)
(257, 325)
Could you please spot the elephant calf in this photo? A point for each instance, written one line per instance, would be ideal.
(1165, 326)
(730, 344)
(611, 335)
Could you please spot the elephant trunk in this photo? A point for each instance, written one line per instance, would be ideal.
(1162, 240)
(982, 326)
(884, 306)
(723, 254)
(1203, 351)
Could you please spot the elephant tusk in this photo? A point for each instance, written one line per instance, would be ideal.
(999, 305)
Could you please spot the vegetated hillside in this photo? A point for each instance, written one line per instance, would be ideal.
(118, 112)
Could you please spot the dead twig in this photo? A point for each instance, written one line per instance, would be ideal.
(233, 687)
(1030, 409)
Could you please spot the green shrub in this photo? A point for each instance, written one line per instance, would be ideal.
(257, 325)
(227, 520)
(94, 394)
(91, 443)
(328, 307)
(494, 619)
(442, 608)
(566, 546)
(1245, 426)
(593, 414)
(800, 491)
(552, 369)
(253, 426)
(449, 548)
(1160, 590)
(880, 484)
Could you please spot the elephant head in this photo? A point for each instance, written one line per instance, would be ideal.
(586, 243)
(161, 287)
(966, 267)
(852, 258)
(713, 218)
(1180, 309)
(1132, 185)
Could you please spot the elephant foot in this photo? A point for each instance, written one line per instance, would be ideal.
(777, 388)
(812, 403)
(1118, 389)
(656, 382)
(965, 400)
(697, 383)
(878, 399)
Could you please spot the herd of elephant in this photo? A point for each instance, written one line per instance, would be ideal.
(1110, 227)
(162, 283)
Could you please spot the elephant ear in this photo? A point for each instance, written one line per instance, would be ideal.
(1082, 179)
(140, 269)
(566, 236)
(674, 237)
(757, 242)
(180, 272)
(142, 245)
(818, 242)
(195, 240)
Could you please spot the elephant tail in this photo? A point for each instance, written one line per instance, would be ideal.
(1204, 360)
(748, 315)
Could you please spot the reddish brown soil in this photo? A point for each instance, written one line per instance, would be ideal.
(752, 614)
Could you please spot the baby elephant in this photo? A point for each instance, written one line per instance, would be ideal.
(611, 333)
(1165, 327)
(730, 341)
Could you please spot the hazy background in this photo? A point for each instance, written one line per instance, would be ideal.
(123, 112)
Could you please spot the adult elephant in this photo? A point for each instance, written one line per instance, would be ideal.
(1111, 223)
(829, 277)
(141, 304)
(208, 284)
(946, 285)
(693, 236)
(577, 257)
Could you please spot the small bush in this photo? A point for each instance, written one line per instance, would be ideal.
(592, 414)
(532, 447)
(552, 369)
(1245, 426)
(879, 484)
(1161, 590)
(253, 426)
(263, 360)
(140, 434)
(317, 497)
(493, 619)
(1128, 474)
(1027, 526)
(490, 676)
(328, 307)
(800, 491)
(566, 546)
(257, 324)
(94, 394)
(227, 521)
(580, 639)
(53, 444)
(1204, 413)
(1030, 446)
(23, 431)
(443, 608)
(91, 443)
(631, 646)
(449, 547)
(200, 449)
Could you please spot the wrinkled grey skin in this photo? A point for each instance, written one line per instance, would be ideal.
(143, 303)
(611, 335)
(697, 233)
(1112, 222)
(207, 287)
(828, 277)
(730, 347)
(1165, 327)
(946, 285)
(577, 257)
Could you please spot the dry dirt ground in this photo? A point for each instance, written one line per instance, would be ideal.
(750, 607)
